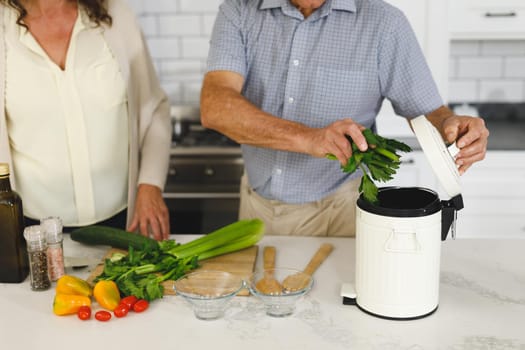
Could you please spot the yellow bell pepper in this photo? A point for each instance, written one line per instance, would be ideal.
(68, 304)
(69, 284)
(106, 294)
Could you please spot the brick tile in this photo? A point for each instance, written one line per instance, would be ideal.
(501, 91)
(480, 67)
(195, 47)
(179, 25)
(199, 5)
(514, 67)
(463, 91)
(164, 47)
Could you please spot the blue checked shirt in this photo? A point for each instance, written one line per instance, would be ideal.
(340, 62)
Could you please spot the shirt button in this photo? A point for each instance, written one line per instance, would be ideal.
(278, 171)
(295, 62)
(290, 99)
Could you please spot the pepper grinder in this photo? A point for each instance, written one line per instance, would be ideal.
(37, 251)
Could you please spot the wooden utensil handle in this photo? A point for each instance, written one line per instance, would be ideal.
(269, 257)
(321, 254)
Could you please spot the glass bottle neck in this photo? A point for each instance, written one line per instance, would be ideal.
(5, 185)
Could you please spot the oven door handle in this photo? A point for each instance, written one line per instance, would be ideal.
(202, 195)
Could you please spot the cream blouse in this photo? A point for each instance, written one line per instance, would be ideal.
(68, 129)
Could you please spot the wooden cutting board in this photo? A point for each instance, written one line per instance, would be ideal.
(240, 263)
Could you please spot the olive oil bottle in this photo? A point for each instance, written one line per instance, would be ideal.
(14, 264)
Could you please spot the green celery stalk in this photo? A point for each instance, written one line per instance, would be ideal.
(224, 235)
(241, 243)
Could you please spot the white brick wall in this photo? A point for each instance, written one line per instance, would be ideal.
(178, 33)
(199, 6)
(499, 90)
(159, 6)
(463, 90)
(179, 25)
(487, 71)
(514, 67)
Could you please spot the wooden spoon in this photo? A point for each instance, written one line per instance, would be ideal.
(298, 281)
(268, 284)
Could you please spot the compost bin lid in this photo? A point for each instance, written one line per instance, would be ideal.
(438, 155)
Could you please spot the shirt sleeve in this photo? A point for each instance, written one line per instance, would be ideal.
(154, 121)
(148, 104)
(227, 46)
(405, 78)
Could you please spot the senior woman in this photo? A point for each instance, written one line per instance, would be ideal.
(84, 123)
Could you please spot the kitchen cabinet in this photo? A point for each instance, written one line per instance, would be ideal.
(487, 19)
(429, 21)
(494, 196)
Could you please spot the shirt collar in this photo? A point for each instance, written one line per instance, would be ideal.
(343, 5)
(25, 37)
(80, 24)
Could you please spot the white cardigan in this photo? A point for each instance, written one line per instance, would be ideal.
(148, 106)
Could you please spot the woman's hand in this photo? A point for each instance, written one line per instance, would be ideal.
(151, 214)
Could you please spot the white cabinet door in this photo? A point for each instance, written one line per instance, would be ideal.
(487, 19)
(494, 196)
(428, 18)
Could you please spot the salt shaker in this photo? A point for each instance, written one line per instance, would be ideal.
(52, 227)
(37, 252)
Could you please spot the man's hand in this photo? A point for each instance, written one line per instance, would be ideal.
(151, 215)
(469, 133)
(471, 137)
(332, 140)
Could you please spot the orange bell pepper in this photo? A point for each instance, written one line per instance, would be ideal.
(68, 304)
(106, 294)
(69, 284)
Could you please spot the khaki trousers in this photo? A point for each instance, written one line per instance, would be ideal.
(333, 215)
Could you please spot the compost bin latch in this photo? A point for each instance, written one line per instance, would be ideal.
(448, 215)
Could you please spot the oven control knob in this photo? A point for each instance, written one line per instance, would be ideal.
(209, 171)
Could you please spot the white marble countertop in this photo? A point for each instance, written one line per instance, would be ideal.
(482, 306)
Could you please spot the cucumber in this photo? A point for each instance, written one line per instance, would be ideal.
(114, 237)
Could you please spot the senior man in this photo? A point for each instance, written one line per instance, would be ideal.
(290, 79)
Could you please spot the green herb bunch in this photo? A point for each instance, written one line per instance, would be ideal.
(140, 272)
(379, 162)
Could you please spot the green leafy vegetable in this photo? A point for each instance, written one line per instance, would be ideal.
(379, 162)
(141, 271)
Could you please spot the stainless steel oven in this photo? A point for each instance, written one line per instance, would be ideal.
(202, 189)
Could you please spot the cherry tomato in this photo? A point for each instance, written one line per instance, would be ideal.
(84, 313)
(103, 315)
(121, 310)
(129, 301)
(140, 305)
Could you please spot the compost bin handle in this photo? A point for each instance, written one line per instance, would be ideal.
(448, 214)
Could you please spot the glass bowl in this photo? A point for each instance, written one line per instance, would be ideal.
(280, 302)
(208, 292)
